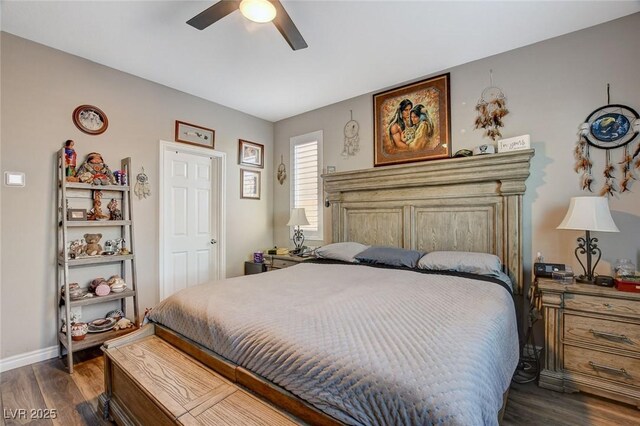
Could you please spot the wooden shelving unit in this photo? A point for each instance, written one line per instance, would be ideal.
(67, 191)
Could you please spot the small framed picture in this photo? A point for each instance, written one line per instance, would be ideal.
(195, 135)
(250, 154)
(76, 214)
(250, 184)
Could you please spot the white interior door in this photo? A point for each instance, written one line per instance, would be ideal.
(191, 222)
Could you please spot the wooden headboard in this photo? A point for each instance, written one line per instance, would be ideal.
(460, 204)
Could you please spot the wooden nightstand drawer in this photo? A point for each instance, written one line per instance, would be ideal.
(581, 315)
(282, 263)
(618, 368)
(603, 332)
(603, 305)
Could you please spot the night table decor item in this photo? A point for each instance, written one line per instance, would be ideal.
(298, 218)
(592, 340)
(588, 214)
(90, 119)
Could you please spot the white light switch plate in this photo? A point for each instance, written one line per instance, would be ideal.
(14, 179)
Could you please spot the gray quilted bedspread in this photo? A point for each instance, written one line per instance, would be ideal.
(365, 345)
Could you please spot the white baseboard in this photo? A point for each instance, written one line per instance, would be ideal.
(21, 360)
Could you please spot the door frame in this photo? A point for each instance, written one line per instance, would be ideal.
(220, 229)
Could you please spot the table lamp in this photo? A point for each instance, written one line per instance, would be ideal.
(588, 214)
(298, 218)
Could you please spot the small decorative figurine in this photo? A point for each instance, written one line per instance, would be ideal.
(114, 212)
(147, 315)
(93, 247)
(95, 171)
(96, 212)
(110, 247)
(70, 161)
(121, 177)
(123, 249)
(122, 324)
(76, 249)
(75, 318)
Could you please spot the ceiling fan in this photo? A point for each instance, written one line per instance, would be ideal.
(257, 11)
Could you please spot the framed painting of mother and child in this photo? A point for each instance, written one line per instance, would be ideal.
(413, 122)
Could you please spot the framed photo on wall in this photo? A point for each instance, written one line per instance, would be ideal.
(250, 184)
(195, 135)
(412, 122)
(250, 154)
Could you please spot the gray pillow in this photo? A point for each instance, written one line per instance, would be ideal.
(340, 251)
(391, 256)
(462, 261)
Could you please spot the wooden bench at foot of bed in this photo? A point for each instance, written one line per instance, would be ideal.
(153, 376)
(156, 376)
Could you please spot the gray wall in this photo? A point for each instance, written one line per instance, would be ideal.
(40, 89)
(551, 88)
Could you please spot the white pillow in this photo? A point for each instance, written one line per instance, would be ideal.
(345, 252)
(462, 261)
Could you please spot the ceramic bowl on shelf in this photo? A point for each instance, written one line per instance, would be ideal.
(118, 288)
(116, 313)
(79, 331)
(101, 324)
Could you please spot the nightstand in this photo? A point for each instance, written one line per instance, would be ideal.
(284, 261)
(592, 340)
(251, 268)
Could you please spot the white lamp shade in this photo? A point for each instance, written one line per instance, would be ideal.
(589, 214)
(298, 218)
(260, 11)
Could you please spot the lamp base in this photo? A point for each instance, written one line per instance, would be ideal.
(583, 279)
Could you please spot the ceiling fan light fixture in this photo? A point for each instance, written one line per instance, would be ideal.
(260, 11)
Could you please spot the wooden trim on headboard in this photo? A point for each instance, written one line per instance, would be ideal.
(463, 204)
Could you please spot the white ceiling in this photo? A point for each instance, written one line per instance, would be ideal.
(355, 47)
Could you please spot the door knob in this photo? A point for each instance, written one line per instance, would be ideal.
(213, 241)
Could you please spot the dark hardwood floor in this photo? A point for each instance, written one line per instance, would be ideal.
(74, 397)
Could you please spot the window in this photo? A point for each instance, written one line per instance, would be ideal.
(306, 188)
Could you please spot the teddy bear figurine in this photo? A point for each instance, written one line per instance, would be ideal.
(93, 248)
(122, 324)
(95, 171)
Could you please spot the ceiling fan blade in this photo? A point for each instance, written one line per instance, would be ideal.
(213, 14)
(287, 28)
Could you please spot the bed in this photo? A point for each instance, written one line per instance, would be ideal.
(355, 344)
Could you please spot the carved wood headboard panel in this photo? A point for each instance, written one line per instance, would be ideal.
(461, 204)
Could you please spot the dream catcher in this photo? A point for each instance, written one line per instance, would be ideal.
(351, 138)
(609, 127)
(142, 185)
(492, 107)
